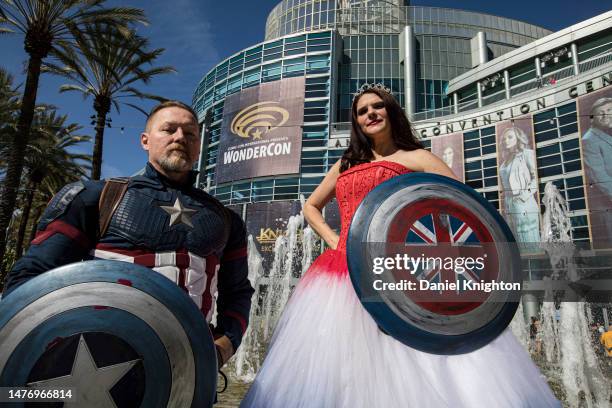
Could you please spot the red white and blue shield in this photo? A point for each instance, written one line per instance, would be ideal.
(113, 333)
(434, 263)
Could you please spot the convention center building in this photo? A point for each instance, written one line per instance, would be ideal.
(509, 106)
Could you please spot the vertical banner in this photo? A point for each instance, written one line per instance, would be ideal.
(268, 221)
(595, 124)
(261, 133)
(237, 208)
(332, 216)
(450, 149)
(518, 179)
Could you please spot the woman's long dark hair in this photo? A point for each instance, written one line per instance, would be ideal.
(360, 147)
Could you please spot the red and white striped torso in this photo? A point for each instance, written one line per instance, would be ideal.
(195, 274)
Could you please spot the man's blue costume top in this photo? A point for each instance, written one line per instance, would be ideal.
(176, 230)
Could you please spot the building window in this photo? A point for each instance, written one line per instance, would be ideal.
(317, 87)
(595, 46)
(479, 142)
(251, 78)
(313, 161)
(315, 135)
(481, 173)
(554, 123)
(468, 98)
(293, 67)
(557, 145)
(316, 64)
(271, 72)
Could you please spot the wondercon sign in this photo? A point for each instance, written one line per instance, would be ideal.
(261, 133)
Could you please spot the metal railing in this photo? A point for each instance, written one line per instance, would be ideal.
(595, 62)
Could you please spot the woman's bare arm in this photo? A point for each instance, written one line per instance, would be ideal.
(315, 203)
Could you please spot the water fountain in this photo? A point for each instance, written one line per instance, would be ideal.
(245, 363)
(567, 340)
(569, 360)
(519, 328)
(294, 251)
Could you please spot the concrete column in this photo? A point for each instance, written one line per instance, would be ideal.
(479, 50)
(537, 67)
(574, 50)
(456, 102)
(203, 144)
(407, 56)
(479, 93)
(507, 83)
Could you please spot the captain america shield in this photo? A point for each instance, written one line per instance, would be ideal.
(114, 333)
(434, 263)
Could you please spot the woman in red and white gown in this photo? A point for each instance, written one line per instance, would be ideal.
(327, 351)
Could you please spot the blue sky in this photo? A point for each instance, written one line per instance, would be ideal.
(197, 34)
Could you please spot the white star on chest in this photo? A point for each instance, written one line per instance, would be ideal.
(178, 213)
(90, 384)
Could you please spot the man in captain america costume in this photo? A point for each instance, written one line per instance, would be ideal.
(157, 219)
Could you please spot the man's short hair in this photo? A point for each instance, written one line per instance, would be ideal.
(170, 104)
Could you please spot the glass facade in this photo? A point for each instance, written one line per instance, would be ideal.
(307, 55)
(390, 16)
(557, 157)
(339, 45)
(370, 38)
(371, 59)
(559, 161)
(537, 73)
(442, 42)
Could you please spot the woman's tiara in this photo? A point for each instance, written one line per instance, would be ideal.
(366, 87)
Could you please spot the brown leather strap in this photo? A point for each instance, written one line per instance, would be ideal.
(112, 193)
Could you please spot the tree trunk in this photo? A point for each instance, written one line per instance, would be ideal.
(14, 169)
(24, 218)
(96, 162)
(37, 214)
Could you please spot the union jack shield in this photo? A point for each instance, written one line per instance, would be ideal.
(434, 263)
(107, 334)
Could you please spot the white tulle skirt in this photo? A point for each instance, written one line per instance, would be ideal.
(328, 352)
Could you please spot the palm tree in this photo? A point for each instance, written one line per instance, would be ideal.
(9, 108)
(106, 67)
(50, 162)
(9, 111)
(46, 25)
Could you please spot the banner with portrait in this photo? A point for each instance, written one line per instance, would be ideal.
(261, 132)
(595, 124)
(518, 180)
(449, 148)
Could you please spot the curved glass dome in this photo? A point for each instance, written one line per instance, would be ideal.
(390, 16)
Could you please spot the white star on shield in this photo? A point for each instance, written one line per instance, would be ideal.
(178, 213)
(90, 384)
